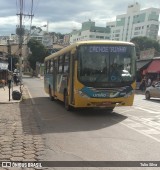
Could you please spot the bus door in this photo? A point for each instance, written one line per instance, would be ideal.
(71, 79)
(59, 77)
(62, 75)
(54, 76)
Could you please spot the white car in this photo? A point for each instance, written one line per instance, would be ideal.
(153, 91)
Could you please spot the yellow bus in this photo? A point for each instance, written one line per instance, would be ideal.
(92, 74)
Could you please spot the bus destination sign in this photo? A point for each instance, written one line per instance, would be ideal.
(107, 49)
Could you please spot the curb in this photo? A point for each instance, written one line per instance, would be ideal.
(12, 101)
(139, 92)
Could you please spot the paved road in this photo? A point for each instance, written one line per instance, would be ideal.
(128, 134)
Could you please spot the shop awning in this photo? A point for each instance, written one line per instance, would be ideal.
(154, 67)
(141, 64)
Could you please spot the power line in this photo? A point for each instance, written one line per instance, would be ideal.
(36, 7)
(20, 28)
(20, 32)
(31, 16)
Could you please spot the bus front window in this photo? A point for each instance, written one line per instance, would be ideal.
(93, 67)
(106, 63)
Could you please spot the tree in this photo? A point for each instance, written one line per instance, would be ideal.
(144, 43)
(39, 52)
(59, 35)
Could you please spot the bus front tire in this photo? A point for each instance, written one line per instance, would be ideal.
(110, 109)
(66, 102)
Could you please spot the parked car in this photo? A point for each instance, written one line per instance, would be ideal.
(153, 91)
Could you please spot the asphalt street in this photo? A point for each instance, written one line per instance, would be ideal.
(127, 134)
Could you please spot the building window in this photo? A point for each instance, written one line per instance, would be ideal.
(100, 37)
(92, 36)
(107, 37)
(116, 35)
(136, 33)
(137, 28)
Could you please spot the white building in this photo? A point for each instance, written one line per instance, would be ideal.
(43, 37)
(89, 32)
(13, 39)
(66, 39)
(134, 23)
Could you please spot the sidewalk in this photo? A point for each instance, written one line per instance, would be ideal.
(4, 94)
(139, 92)
(20, 135)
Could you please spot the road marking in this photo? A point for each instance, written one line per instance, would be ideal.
(143, 125)
(151, 131)
(32, 100)
(147, 110)
(143, 132)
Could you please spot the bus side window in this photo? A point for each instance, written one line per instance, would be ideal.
(51, 66)
(66, 63)
(60, 64)
(56, 65)
(45, 70)
(48, 66)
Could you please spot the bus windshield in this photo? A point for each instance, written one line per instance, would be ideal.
(106, 63)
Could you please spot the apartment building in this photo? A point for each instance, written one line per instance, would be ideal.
(43, 37)
(135, 22)
(89, 32)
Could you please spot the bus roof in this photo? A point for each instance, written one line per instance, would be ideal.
(68, 48)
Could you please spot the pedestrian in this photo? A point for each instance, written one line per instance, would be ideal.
(143, 84)
(3, 83)
(15, 79)
(149, 82)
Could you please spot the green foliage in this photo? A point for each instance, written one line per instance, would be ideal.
(59, 35)
(33, 27)
(39, 52)
(39, 29)
(144, 43)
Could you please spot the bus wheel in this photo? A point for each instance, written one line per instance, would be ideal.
(50, 95)
(66, 102)
(110, 109)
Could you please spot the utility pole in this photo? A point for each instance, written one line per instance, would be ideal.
(20, 32)
(9, 54)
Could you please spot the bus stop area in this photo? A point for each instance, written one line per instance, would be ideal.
(4, 94)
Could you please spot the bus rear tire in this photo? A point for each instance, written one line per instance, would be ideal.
(66, 102)
(50, 95)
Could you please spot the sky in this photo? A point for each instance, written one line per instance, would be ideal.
(64, 15)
